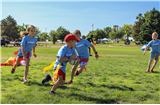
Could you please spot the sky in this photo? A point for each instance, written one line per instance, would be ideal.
(73, 15)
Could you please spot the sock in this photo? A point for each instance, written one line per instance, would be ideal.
(13, 68)
(71, 79)
(149, 66)
(152, 68)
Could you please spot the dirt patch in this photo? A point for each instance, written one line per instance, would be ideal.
(117, 55)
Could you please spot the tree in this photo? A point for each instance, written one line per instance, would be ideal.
(53, 35)
(62, 32)
(116, 34)
(44, 36)
(136, 27)
(127, 29)
(9, 28)
(107, 30)
(97, 34)
(151, 23)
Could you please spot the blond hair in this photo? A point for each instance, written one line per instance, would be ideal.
(155, 33)
(29, 27)
(76, 32)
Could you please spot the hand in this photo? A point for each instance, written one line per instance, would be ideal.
(144, 53)
(73, 57)
(97, 56)
(35, 55)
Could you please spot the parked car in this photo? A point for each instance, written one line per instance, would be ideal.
(5, 42)
(17, 42)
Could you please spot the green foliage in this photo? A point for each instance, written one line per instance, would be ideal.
(151, 23)
(136, 27)
(62, 32)
(127, 30)
(54, 36)
(107, 30)
(9, 28)
(116, 34)
(44, 36)
(83, 36)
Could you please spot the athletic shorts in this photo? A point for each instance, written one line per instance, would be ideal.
(83, 61)
(154, 55)
(60, 73)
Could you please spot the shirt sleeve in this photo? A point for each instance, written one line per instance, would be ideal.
(149, 44)
(61, 52)
(87, 43)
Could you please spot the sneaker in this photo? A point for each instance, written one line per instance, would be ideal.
(77, 72)
(12, 71)
(152, 70)
(46, 78)
(24, 81)
(148, 69)
(52, 92)
(69, 82)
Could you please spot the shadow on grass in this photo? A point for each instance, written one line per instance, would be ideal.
(124, 88)
(97, 100)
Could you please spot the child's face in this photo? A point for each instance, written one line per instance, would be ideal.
(73, 43)
(154, 37)
(78, 36)
(31, 32)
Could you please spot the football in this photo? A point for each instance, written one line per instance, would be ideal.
(73, 62)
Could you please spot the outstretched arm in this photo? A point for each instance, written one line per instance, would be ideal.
(96, 53)
(145, 50)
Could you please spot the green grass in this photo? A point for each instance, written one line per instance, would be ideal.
(111, 79)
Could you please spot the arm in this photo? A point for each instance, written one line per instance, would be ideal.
(145, 50)
(72, 57)
(24, 56)
(34, 52)
(96, 53)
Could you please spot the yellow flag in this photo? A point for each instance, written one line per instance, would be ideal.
(48, 67)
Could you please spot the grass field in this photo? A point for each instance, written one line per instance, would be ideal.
(118, 77)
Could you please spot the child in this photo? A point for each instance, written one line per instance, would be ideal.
(155, 50)
(90, 40)
(28, 43)
(82, 50)
(64, 55)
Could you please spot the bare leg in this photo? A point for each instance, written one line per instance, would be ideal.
(26, 68)
(60, 81)
(154, 64)
(16, 63)
(80, 69)
(73, 70)
(150, 61)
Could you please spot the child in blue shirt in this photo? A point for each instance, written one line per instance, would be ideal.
(28, 43)
(155, 50)
(64, 55)
(82, 50)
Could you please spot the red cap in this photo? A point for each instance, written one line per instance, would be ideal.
(71, 37)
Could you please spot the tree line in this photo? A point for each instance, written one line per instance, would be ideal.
(141, 31)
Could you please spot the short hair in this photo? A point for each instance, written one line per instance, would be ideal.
(155, 33)
(76, 32)
(91, 35)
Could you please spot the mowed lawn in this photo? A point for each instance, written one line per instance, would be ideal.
(118, 77)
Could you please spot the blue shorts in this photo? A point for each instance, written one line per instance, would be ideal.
(154, 55)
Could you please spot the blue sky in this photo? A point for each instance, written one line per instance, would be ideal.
(72, 15)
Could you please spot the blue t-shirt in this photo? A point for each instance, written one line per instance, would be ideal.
(82, 48)
(64, 52)
(29, 43)
(155, 46)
